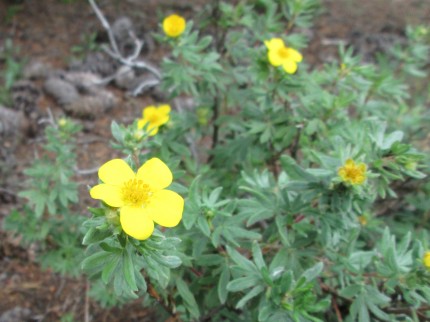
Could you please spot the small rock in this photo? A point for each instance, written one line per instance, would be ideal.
(125, 33)
(13, 125)
(121, 28)
(125, 77)
(37, 70)
(16, 314)
(64, 92)
(25, 96)
(98, 63)
(84, 82)
(90, 106)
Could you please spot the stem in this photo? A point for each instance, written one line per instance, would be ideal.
(169, 307)
(135, 157)
(219, 43)
(295, 146)
(214, 122)
(273, 160)
(336, 309)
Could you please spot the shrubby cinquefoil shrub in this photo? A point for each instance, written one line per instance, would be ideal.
(310, 202)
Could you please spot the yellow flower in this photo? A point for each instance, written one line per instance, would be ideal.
(279, 55)
(426, 259)
(62, 122)
(141, 197)
(362, 220)
(174, 25)
(153, 118)
(353, 173)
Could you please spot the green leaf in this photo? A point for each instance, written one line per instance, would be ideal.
(294, 171)
(128, 270)
(95, 260)
(258, 256)
(351, 291)
(117, 132)
(204, 226)
(311, 273)
(109, 269)
(168, 261)
(249, 295)
(188, 297)
(359, 260)
(222, 284)
(242, 261)
(242, 283)
(390, 139)
(95, 235)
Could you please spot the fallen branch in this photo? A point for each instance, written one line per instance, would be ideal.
(130, 61)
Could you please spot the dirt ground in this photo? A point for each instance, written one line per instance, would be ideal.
(45, 31)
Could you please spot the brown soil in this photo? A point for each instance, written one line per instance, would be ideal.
(45, 31)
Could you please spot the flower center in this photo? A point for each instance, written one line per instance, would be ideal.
(135, 193)
(153, 119)
(353, 172)
(283, 52)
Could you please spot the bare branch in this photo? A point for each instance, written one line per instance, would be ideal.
(130, 61)
(143, 85)
(105, 25)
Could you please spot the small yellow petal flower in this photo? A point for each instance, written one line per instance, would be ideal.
(280, 55)
(153, 118)
(362, 220)
(141, 196)
(62, 122)
(174, 25)
(353, 173)
(426, 259)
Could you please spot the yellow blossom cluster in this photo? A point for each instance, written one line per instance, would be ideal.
(352, 172)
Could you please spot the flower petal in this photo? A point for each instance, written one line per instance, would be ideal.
(349, 163)
(166, 208)
(108, 193)
(274, 58)
(289, 66)
(294, 55)
(274, 44)
(148, 112)
(136, 222)
(155, 173)
(150, 128)
(115, 172)
(164, 109)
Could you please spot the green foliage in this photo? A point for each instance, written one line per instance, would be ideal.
(11, 70)
(11, 12)
(88, 43)
(310, 201)
(272, 230)
(48, 218)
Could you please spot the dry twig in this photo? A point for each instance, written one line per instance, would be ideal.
(130, 61)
